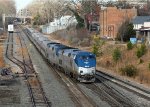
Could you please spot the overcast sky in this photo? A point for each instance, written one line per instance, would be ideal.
(22, 3)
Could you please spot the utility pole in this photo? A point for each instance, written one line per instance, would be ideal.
(3, 20)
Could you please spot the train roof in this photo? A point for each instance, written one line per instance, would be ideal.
(50, 44)
(41, 38)
(31, 30)
(66, 51)
(61, 47)
(36, 34)
(81, 53)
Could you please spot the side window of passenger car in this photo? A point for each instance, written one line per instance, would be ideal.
(69, 54)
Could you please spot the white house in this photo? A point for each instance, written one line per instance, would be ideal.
(146, 24)
(139, 21)
(56, 22)
(59, 24)
(64, 20)
(142, 27)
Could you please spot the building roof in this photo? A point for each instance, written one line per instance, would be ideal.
(141, 19)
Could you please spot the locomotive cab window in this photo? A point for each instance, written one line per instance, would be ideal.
(86, 57)
(52, 48)
(83, 57)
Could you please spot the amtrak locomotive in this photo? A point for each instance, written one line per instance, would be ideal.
(78, 64)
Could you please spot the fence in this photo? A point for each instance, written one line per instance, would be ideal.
(59, 24)
(47, 29)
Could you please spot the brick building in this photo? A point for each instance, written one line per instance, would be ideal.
(112, 18)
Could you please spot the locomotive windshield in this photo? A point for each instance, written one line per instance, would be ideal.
(87, 57)
(85, 60)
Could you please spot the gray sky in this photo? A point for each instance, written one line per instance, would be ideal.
(22, 3)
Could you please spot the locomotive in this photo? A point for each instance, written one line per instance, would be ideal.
(76, 63)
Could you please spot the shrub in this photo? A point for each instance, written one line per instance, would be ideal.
(141, 51)
(129, 70)
(116, 55)
(97, 45)
(141, 61)
(143, 48)
(129, 45)
(95, 50)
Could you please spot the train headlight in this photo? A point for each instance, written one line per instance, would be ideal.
(81, 72)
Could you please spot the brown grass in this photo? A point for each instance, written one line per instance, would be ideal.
(22, 50)
(58, 39)
(25, 51)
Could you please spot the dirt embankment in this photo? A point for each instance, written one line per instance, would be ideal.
(128, 57)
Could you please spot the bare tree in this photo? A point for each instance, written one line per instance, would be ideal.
(47, 9)
(6, 7)
(53, 9)
(83, 9)
(145, 10)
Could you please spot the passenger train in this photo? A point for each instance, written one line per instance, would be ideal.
(79, 64)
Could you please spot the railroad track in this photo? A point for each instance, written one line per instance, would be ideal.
(81, 98)
(36, 92)
(110, 94)
(126, 85)
(100, 92)
(9, 51)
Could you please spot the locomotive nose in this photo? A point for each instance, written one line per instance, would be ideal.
(89, 71)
